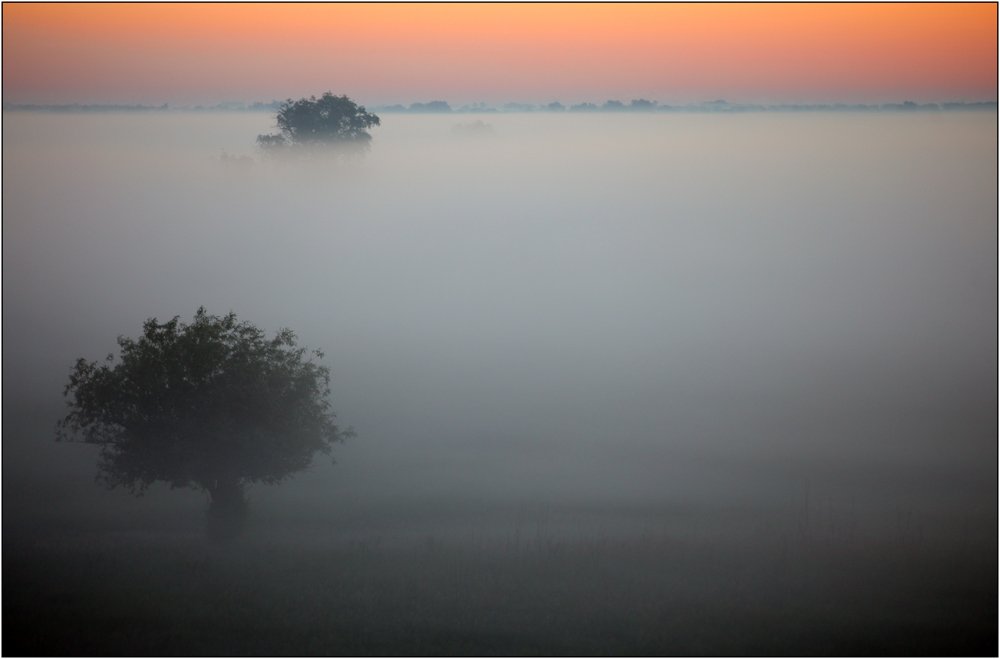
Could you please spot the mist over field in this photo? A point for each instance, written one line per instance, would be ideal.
(769, 327)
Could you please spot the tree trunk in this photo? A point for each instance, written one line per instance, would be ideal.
(227, 510)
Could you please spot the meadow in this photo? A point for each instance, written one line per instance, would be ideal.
(535, 581)
(636, 384)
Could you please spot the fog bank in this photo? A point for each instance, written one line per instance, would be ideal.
(737, 309)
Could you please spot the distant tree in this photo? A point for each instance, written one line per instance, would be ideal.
(555, 106)
(642, 105)
(327, 121)
(583, 107)
(234, 163)
(475, 129)
(477, 107)
(433, 106)
(271, 143)
(213, 404)
(613, 106)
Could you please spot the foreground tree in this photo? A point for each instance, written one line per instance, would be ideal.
(324, 122)
(213, 404)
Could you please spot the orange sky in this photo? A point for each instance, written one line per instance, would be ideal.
(533, 53)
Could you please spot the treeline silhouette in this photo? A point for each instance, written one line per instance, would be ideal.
(636, 105)
(644, 105)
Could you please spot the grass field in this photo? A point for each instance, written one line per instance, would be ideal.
(544, 582)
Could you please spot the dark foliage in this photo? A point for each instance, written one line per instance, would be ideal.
(433, 106)
(212, 404)
(642, 105)
(327, 121)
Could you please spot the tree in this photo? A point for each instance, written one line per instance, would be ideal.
(324, 122)
(213, 404)
(642, 105)
(433, 106)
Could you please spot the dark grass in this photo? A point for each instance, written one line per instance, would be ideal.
(637, 595)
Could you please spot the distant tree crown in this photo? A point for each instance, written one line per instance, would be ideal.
(327, 121)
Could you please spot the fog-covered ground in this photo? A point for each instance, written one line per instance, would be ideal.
(572, 307)
(771, 322)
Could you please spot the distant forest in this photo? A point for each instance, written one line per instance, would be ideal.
(638, 105)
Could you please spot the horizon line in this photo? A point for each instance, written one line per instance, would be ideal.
(443, 107)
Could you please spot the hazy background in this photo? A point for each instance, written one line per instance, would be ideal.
(729, 311)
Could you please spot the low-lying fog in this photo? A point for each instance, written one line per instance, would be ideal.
(609, 310)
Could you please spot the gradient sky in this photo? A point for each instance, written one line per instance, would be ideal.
(495, 53)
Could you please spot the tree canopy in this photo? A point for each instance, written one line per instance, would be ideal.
(327, 121)
(213, 404)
